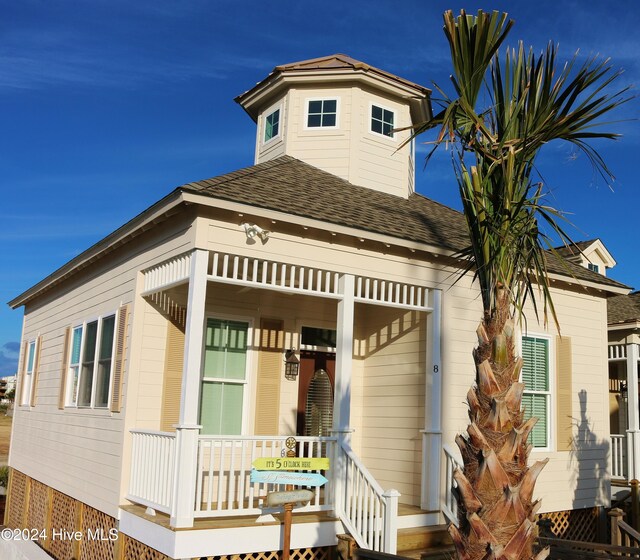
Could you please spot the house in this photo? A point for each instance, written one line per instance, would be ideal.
(159, 364)
(624, 340)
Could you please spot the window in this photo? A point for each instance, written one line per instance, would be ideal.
(322, 113)
(381, 121)
(224, 377)
(90, 363)
(272, 125)
(29, 367)
(594, 267)
(536, 399)
(316, 337)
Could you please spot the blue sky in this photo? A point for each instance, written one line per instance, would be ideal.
(107, 105)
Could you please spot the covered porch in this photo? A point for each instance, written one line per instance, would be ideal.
(201, 467)
(624, 409)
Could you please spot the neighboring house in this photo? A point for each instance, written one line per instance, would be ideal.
(624, 353)
(153, 365)
(590, 254)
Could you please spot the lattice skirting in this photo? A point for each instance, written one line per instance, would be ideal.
(316, 553)
(574, 525)
(33, 505)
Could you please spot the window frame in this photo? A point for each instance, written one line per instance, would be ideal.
(96, 361)
(550, 392)
(272, 110)
(249, 368)
(308, 101)
(29, 355)
(593, 267)
(373, 104)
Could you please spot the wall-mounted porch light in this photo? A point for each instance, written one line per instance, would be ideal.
(252, 231)
(291, 365)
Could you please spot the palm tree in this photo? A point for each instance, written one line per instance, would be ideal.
(529, 102)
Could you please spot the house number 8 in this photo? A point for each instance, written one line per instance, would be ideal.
(436, 369)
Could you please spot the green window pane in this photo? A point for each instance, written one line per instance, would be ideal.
(226, 349)
(75, 345)
(535, 371)
(272, 123)
(537, 405)
(221, 408)
(376, 112)
(32, 355)
(106, 337)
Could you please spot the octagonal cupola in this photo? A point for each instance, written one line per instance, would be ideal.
(340, 115)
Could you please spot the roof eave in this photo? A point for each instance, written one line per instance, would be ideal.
(105, 245)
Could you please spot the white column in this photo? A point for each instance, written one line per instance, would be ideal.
(344, 355)
(432, 433)
(633, 433)
(187, 431)
(342, 390)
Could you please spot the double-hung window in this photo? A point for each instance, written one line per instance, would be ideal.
(272, 125)
(91, 363)
(224, 378)
(382, 121)
(536, 398)
(29, 367)
(322, 113)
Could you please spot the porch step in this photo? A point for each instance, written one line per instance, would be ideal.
(422, 543)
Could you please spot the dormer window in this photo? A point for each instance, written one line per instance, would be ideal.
(382, 121)
(594, 267)
(272, 125)
(322, 113)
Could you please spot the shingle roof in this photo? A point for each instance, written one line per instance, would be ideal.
(289, 185)
(623, 309)
(340, 61)
(575, 248)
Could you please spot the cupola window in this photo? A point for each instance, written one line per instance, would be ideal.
(272, 125)
(381, 121)
(322, 113)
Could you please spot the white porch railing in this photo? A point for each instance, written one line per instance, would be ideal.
(223, 484)
(368, 512)
(618, 456)
(153, 460)
(449, 503)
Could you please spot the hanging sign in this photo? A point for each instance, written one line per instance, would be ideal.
(285, 477)
(291, 463)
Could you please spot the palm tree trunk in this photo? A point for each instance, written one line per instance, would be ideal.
(495, 502)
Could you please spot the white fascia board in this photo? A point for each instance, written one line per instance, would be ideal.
(624, 326)
(570, 281)
(333, 77)
(310, 223)
(106, 244)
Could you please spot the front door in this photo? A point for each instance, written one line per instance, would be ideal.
(315, 393)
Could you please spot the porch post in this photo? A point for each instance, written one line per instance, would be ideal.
(342, 390)
(633, 433)
(187, 431)
(344, 355)
(432, 433)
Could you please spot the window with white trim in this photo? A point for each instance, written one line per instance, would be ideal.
(272, 125)
(322, 113)
(27, 378)
(224, 377)
(593, 267)
(536, 399)
(382, 121)
(91, 363)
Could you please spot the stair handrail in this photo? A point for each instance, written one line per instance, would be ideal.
(450, 503)
(622, 534)
(367, 511)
